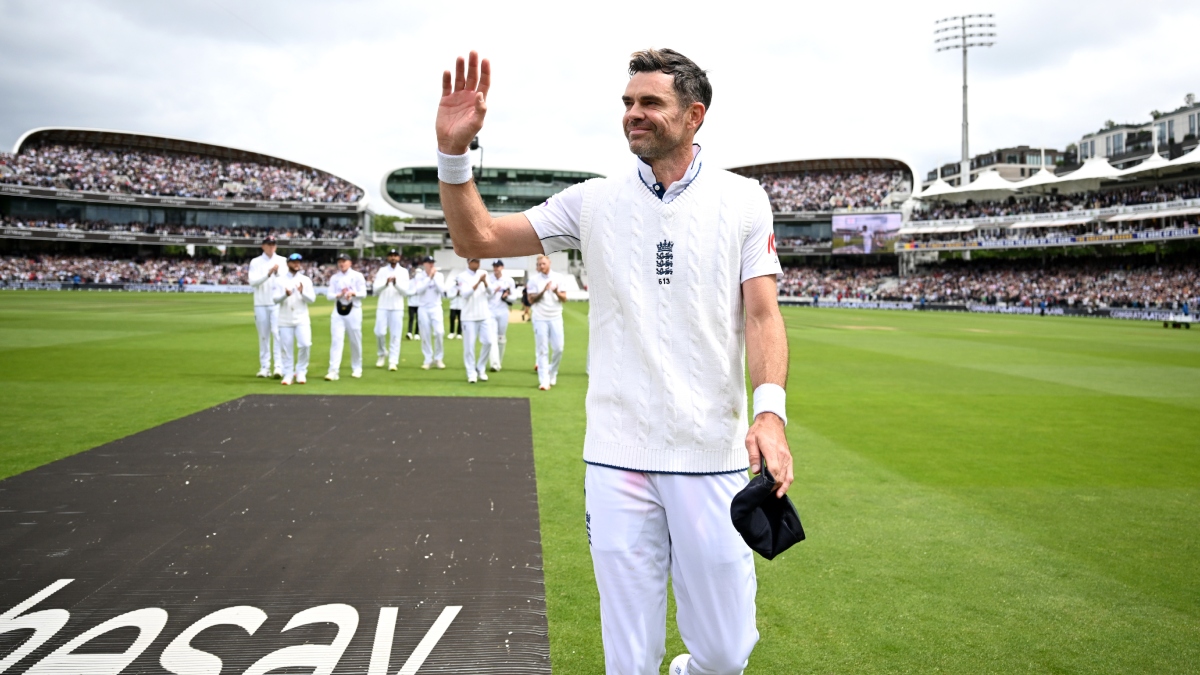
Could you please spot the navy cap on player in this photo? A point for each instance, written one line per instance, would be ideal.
(768, 524)
(392, 251)
(269, 239)
(295, 256)
(427, 258)
(498, 263)
(343, 256)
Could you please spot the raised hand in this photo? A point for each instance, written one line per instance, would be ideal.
(463, 105)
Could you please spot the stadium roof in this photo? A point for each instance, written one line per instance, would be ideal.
(130, 139)
(832, 164)
(414, 189)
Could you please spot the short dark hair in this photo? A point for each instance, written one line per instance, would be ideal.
(691, 82)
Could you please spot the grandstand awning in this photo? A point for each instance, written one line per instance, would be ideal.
(938, 188)
(1088, 176)
(1152, 164)
(988, 185)
(1042, 177)
(1188, 160)
(1062, 222)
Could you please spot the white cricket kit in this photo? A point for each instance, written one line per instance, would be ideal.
(295, 327)
(666, 403)
(476, 319)
(427, 295)
(351, 323)
(499, 308)
(391, 287)
(266, 312)
(547, 325)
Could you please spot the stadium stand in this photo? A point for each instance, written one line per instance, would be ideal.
(830, 190)
(164, 173)
(827, 185)
(1093, 199)
(327, 232)
(161, 270)
(1118, 282)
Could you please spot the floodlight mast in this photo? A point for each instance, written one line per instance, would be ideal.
(965, 32)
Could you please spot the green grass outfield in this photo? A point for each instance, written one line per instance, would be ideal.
(983, 494)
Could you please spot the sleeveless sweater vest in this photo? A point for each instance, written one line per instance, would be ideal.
(667, 391)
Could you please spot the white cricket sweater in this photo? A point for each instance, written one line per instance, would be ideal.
(667, 334)
(293, 309)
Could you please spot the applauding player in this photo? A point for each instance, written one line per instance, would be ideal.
(294, 293)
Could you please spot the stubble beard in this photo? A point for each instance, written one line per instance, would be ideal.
(656, 146)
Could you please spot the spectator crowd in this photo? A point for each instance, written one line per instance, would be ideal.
(329, 232)
(1098, 283)
(1056, 203)
(827, 190)
(162, 270)
(165, 173)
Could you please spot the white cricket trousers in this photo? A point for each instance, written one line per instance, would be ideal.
(389, 324)
(266, 320)
(429, 322)
(297, 341)
(500, 320)
(483, 330)
(338, 327)
(643, 527)
(548, 342)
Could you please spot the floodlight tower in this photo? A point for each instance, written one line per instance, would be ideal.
(965, 32)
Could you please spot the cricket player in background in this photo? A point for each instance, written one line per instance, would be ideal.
(428, 287)
(472, 285)
(391, 287)
(500, 292)
(294, 293)
(265, 271)
(546, 298)
(347, 288)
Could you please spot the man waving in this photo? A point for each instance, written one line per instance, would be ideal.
(682, 280)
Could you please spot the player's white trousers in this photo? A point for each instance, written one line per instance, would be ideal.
(643, 527)
(500, 321)
(297, 341)
(548, 342)
(339, 326)
(266, 320)
(484, 331)
(389, 324)
(429, 322)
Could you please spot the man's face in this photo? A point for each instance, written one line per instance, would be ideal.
(268, 249)
(293, 266)
(343, 265)
(498, 270)
(654, 122)
(543, 265)
(393, 260)
(473, 265)
(428, 268)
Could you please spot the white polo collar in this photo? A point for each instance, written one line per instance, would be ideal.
(647, 175)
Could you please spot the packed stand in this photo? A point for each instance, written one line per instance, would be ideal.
(1014, 236)
(69, 269)
(183, 230)
(827, 190)
(168, 174)
(840, 283)
(1057, 203)
(1082, 284)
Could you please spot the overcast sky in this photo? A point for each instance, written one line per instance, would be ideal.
(352, 86)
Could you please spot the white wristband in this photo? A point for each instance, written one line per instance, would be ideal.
(771, 398)
(454, 169)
